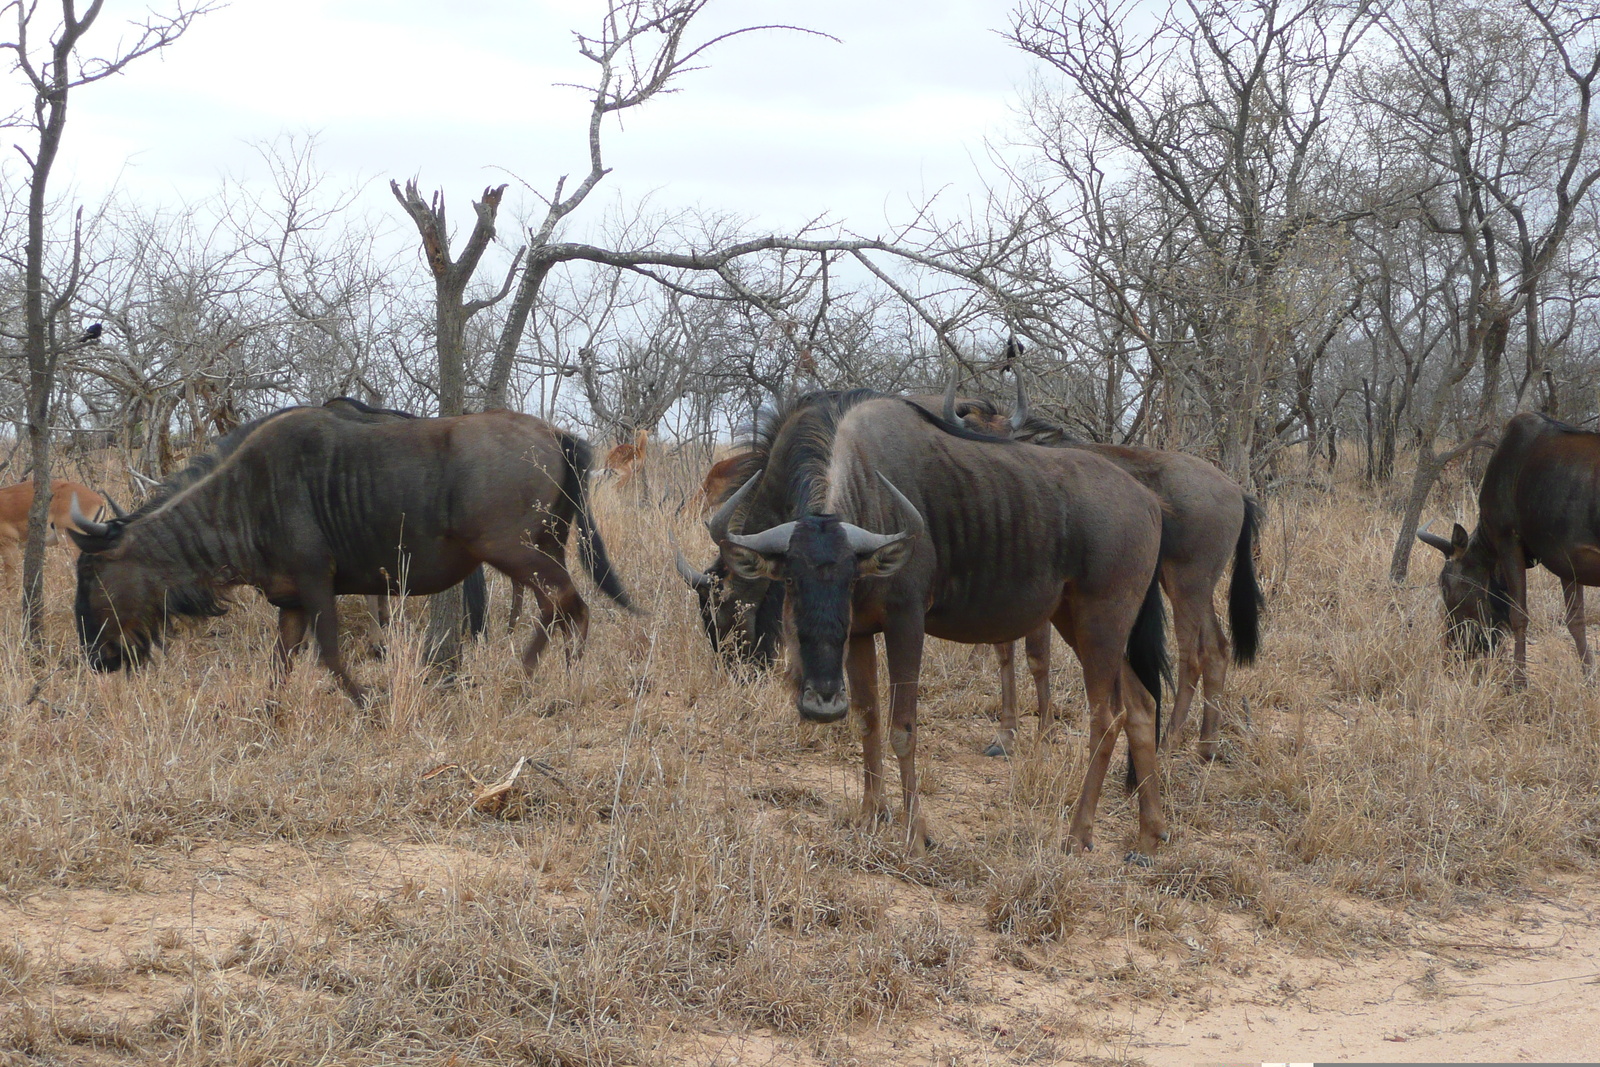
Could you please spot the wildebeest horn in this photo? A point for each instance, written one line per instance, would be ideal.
(717, 524)
(118, 512)
(84, 523)
(950, 397)
(1433, 540)
(686, 570)
(864, 542)
(770, 542)
(1020, 413)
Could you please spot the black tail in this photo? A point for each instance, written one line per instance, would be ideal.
(1244, 594)
(1147, 654)
(591, 549)
(475, 591)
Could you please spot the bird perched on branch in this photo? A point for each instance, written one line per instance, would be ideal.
(92, 334)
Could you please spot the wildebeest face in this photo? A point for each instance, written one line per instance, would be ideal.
(113, 626)
(818, 559)
(743, 619)
(1476, 608)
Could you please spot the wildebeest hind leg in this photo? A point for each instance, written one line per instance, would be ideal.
(1573, 595)
(1139, 711)
(1214, 673)
(1190, 632)
(1005, 737)
(558, 600)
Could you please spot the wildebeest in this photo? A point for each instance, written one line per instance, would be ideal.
(474, 588)
(1210, 521)
(16, 500)
(310, 505)
(990, 539)
(1538, 503)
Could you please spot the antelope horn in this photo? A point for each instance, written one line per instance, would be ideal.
(769, 542)
(717, 524)
(686, 570)
(1019, 414)
(84, 523)
(950, 398)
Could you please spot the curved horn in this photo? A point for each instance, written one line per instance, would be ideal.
(1020, 414)
(717, 524)
(950, 398)
(771, 542)
(865, 542)
(695, 579)
(84, 523)
(118, 512)
(1433, 540)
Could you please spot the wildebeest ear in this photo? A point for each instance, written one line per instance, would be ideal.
(1458, 538)
(886, 560)
(97, 542)
(747, 563)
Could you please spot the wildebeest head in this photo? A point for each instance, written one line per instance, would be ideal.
(743, 619)
(121, 611)
(818, 558)
(1476, 607)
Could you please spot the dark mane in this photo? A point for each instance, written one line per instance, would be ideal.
(203, 464)
(367, 409)
(1565, 427)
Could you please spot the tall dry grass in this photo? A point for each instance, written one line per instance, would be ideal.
(682, 858)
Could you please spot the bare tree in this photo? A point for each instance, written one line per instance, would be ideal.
(46, 54)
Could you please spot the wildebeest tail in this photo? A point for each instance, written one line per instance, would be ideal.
(475, 591)
(1147, 654)
(1244, 593)
(591, 549)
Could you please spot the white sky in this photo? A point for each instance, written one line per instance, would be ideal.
(781, 126)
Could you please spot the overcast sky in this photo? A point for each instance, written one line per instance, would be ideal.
(460, 93)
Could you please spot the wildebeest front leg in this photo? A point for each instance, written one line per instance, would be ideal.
(1573, 595)
(1005, 738)
(319, 604)
(861, 663)
(377, 621)
(903, 649)
(1514, 572)
(291, 635)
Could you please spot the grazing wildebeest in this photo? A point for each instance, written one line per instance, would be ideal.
(16, 500)
(1538, 504)
(474, 588)
(991, 539)
(1210, 520)
(310, 505)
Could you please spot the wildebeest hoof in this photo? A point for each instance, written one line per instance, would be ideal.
(996, 749)
(1138, 859)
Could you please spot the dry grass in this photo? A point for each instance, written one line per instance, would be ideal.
(681, 862)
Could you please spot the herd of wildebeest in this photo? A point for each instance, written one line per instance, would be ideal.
(847, 514)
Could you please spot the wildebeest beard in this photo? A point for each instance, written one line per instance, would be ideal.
(116, 636)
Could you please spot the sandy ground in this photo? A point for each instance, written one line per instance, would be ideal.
(1512, 985)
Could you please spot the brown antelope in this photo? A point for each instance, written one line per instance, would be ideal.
(16, 500)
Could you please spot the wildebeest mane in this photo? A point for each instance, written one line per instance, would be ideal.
(811, 420)
(199, 467)
(368, 409)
